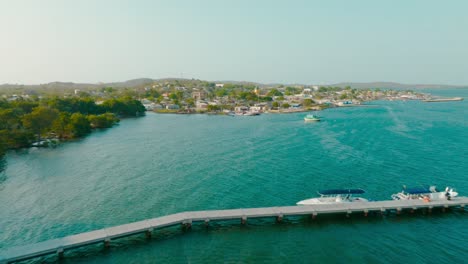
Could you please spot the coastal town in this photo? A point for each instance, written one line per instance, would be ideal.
(184, 96)
(251, 99)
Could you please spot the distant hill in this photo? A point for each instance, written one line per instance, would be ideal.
(393, 85)
(130, 83)
(140, 82)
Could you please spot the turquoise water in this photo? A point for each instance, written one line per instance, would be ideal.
(163, 164)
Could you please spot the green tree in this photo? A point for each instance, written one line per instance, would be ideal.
(10, 118)
(103, 121)
(291, 91)
(79, 125)
(308, 102)
(275, 104)
(190, 102)
(21, 138)
(221, 92)
(152, 93)
(266, 99)
(173, 96)
(60, 125)
(40, 120)
(286, 105)
(213, 108)
(274, 92)
(323, 89)
(25, 106)
(125, 106)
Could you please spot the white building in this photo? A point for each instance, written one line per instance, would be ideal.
(200, 105)
(172, 107)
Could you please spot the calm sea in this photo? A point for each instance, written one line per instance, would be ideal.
(163, 164)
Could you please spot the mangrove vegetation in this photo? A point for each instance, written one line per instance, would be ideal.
(24, 123)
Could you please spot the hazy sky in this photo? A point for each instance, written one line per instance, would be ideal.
(291, 41)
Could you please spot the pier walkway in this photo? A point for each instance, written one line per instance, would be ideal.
(59, 245)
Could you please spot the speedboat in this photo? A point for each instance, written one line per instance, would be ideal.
(426, 193)
(311, 118)
(335, 196)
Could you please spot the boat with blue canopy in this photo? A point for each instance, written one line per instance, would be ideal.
(335, 196)
(426, 193)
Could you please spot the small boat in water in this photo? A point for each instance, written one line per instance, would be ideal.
(335, 196)
(311, 118)
(425, 193)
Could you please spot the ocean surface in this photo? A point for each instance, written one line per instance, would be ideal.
(163, 164)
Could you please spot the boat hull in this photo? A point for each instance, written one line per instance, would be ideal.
(330, 200)
(311, 120)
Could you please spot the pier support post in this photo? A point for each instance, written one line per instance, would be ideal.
(244, 220)
(107, 243)
(429, 209)
(149, 233)
(279, 218)
(314, 215)
(413, 210)
(186, 225)
(348, 213)
(398, 211)
(366, 212)
(462, 207)
(60, 253)
(382, 211)
(207, 222)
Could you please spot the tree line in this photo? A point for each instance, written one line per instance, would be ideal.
(23, 122)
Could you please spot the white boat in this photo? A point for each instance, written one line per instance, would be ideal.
(335, 196)
(252, 113)
(426, 193)
(311, 118)
(248, 113)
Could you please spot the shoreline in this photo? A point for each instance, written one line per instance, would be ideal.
(282, 111)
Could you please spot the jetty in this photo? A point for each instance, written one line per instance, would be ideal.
(185, 219)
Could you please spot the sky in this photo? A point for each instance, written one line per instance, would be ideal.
(293, 41)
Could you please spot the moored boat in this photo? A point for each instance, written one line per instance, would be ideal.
(311, 118)
(426, 193)
(335, 196)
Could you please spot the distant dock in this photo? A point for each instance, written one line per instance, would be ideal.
(443, 100)
(185, 219)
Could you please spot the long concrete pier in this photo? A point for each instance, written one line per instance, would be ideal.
(106, 235)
